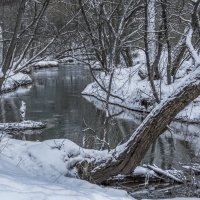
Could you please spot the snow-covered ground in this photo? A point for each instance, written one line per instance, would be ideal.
(36, 170)
(42, 171)
(136, 94)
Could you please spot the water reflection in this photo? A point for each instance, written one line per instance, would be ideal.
(55, 97)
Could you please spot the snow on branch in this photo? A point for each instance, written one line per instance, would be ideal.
(191, 48)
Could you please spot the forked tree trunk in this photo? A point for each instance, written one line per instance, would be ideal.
(125, 158)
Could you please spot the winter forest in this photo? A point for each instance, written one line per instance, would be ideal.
(99, 100)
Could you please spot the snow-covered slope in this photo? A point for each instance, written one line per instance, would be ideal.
(136, 94)
(13, 81)
(36, 170)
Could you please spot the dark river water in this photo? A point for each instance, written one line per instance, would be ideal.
(55, 98)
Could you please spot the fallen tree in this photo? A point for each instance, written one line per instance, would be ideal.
(125, 158)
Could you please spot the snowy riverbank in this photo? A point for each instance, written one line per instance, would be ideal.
(42, 170)
(129, 91)
(36, 170)
(45, 64)
(13, 81)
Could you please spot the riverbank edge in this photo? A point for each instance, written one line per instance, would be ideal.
(135, 93)
(22, 79)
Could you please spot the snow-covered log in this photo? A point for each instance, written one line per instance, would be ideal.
(195, 168)
(24, 125)
(164, 173)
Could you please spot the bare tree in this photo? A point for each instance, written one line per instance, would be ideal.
(125, 158)
(17, 38)
(34, 36)
(108, 30)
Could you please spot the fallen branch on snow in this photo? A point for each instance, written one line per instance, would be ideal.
(164, 173)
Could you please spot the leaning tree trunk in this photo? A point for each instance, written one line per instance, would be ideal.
(125, 158)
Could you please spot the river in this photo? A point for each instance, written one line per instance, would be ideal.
(55, 98)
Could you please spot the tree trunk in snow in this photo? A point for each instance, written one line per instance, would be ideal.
(151, 28)
(125, 158)
(126, 53)
(149, 50)
(166, 32)
(1, 45)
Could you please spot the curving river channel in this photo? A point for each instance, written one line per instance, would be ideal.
(55, 98)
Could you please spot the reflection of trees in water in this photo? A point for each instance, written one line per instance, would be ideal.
(117, 131)
(56, 97)
(14, 110)
(94, 130)
(169, 152)
(9, 111)
(158, 154)
(8, 3)
(3, 112)
(172, 151)
(28, 135)
(189, 151)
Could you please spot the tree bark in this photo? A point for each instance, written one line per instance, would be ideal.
(150, 67)
(125, 158)
(151, 29)
(166, 32)
(158, 56)
(1, 44)
(11, 48)
(126, 53)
